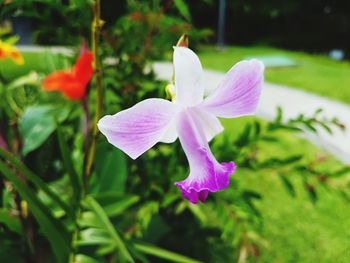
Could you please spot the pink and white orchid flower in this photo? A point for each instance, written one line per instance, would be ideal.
(191, 118)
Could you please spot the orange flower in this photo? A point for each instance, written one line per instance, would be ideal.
(73, 82)
(8, 51)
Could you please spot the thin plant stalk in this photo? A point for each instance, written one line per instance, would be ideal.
(96, 30)
(86, 122)
(90, 145)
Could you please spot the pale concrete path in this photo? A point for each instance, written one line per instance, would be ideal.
(293, 102)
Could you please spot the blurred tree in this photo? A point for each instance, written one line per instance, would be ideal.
(308, 25)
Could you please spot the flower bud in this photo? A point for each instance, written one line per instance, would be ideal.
(183, 41)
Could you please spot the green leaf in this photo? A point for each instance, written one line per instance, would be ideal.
(12, 40)
(288, 185)
(197, 212)
(243, 138)
(68, 164)
(326, 127)
(80, 258)
(311, 192)
(111, 170)
(162, 253)
(113, 204)
(37, 123)
(279, 115)
(36, 180)
(94, 236)
(119, 206)
(340, 172)
(310, 127)
(108, 226)
(11, 221)
(52, 228)
(32, 78)
(183, 9)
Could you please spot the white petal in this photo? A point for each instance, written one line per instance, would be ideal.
(188, 77)
(209, 122)
(140, 127)
(170, 135)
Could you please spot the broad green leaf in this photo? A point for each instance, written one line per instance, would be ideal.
(108, 226)
(37, 123)
(111, 169)
(68, 163)
(52, 228)
(36, 180)
(162, 253)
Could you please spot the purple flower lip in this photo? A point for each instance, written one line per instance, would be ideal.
(190, 118)
(194, 192)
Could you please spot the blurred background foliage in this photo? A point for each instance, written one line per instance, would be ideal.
(312, 26)
(130, 210)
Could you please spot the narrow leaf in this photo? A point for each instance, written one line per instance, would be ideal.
(36, 180)
(68, 164)
(11, 221)
(51, 227)
(103, 218)
(183, 9)
(162, 253)
(288, 185)
(80, 258)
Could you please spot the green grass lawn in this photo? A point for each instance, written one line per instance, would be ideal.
(315, 73)
(296, 229)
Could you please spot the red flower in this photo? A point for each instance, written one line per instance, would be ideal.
(73, 82)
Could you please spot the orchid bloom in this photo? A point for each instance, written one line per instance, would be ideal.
(73, 82)
(189, 117)
(9, 51)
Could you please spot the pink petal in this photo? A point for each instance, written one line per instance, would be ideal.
(188, 73)
(206, 174)
(140, 127)
(239, 92)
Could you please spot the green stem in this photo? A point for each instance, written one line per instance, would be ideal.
(96, 30)
(91, 148)
(75, 237)
(86, 122)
